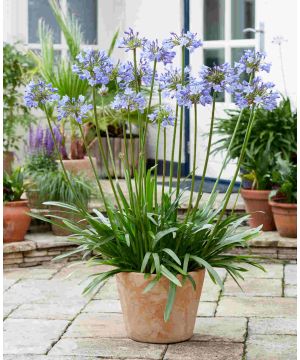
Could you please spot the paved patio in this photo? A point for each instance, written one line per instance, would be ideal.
(47, 318)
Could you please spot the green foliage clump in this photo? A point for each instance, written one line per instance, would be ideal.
(16, 66)
(285, 177)
(273, 132)
(13, 185)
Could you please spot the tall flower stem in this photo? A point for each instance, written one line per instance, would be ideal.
(102, 151)
(207, 153)
(243, 151)
(156, 163)
(194, 161)
(181, 127)
(164, 167)
(173, 150)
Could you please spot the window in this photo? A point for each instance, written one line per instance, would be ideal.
(84, 10)
(224, 22)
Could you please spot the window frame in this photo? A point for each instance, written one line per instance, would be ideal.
(62, 47)
(197, 12)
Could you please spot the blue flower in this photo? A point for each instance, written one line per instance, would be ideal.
(39, 93)
(129, 100)
(125, 74)
(219, 77)
(94, 66)
(152, 51)
(131, 40)
(252, 61)
(164, 115)
(257, 93)
(188, 40)
(171, 78)
(76, 109)
(195, 92)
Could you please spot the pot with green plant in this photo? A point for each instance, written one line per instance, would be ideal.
(159, 258)
(16, 66)
(16, 219)
(53, 188)
(283, 200)
(269, 135)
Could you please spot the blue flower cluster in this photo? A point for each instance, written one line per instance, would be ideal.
(164, 115)
(171, 78)
(188, 40)
(252, 62)
(73, 108)
(257, 93)
(196, 92)
(129, 100)
(39, 93)
(131, 40)
(94, 66)
(152, 51)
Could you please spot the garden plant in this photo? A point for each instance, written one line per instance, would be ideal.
(158, 257)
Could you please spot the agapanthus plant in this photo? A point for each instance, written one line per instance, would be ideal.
(142, 231)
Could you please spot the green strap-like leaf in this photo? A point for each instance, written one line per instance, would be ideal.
(170, 301)
(145, 261)
(172, 254)
(167, 273)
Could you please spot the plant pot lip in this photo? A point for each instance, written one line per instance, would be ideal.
(255, 194)
(18, 203)
(278, 204)
(139, 274)
(248, 191)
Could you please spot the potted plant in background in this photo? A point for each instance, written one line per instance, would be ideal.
(160, 259)
(53, 187)
(16, 66)
(41, 159)
(273, 132)
(16, 219)
(283, 200)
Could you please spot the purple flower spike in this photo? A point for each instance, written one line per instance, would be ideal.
(73, 108)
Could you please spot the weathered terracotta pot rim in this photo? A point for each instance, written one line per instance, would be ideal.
(282, 205)
(249, 193)
(153, 275)
(18, 203)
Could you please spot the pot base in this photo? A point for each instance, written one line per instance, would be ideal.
(144, 312)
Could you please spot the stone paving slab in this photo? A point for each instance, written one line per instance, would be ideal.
(253, 287)
(210, 291)
(44, 291)
(206, 308)
(271, 347)
(8, 309)
(31, 337)
(103, 306)
(257, 307)
(108, 291)
(290, 291)
(31, 273)
(273, 271)
(108, 348)
(47, 311)
(271, 326)
(97, 325)
(204, 350)
(290, 274)
(8, 283)
(220, 329)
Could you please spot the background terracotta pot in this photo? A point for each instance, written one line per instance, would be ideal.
(144, 313)
(16, 221)
(257, 205)
(34, 200)
(58, 211)
(8, 159)
(285, 216)
(80, 166)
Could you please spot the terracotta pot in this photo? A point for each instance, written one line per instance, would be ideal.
(80, 166)
(285, 216)
(8, 158)
(257, 205)
(58, 211)
(144, 313)
(16, 220)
